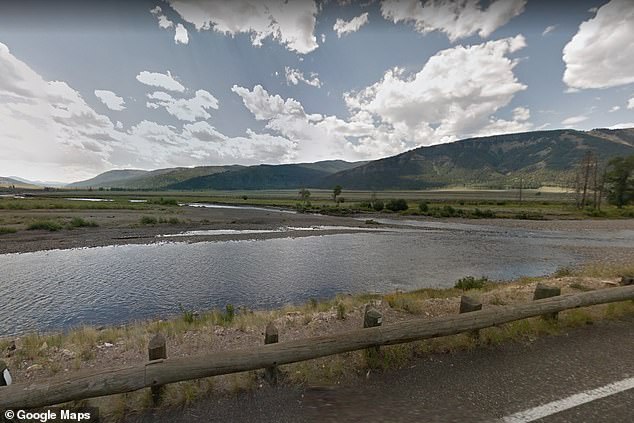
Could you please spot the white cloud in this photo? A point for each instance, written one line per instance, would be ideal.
(317, 137)
(600, 53)
(110, 99)
(615, 109)
(295, 76)
(323, 38)
(630, 103)
(455, 94)
(548, 30)
(457, 19)
(346, 27)
(46, 127)
(574, 120)
(292, 23)
(625, 125)
(189, 110)
(521, 114)
(48, 131)
(163, 21)
(165, 81)
(180, 35)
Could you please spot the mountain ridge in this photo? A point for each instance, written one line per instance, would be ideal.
(497, 161)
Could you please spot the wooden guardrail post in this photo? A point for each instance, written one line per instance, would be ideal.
(271, 336)
(467, 305)
(157, 350)
(372, 318)
(546, 291)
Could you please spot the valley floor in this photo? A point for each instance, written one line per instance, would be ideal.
(125, 226)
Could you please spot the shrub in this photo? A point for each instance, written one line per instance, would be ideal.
(562, 272)
(78, 222)
(485, 214)
(470, 282)
(188, 315)
(244, 197)
(148, 220)
(423, 207)
(47, 225)
(174, 221)
(378, 205)
(166, 202)
(524, 215)
(397, 205)
(7, 230)
(341, 311)
(230, 313)
(448, 211)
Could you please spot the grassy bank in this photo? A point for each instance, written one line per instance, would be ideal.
(21, 214)
(39, 356)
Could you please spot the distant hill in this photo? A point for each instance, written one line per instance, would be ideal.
(268, 176)
(11, 182)
(107, 178)
(538, 158)
(541, 157)
(39, 183)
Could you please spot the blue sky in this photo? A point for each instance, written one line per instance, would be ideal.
(91, 86)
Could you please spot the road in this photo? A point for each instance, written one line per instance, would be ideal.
(585, 375)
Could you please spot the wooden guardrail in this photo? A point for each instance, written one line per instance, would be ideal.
(163, 371)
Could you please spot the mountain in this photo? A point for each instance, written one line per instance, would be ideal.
(39, 183)
(163, 178)
(107, 178)
(541, 157)
(12, 182)
(499, 161)
(269, 176)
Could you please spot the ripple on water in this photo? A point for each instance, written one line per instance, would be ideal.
(56, 289)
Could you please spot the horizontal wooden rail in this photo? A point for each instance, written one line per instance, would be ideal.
(160, 372)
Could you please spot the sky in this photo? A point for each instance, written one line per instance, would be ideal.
(90, 86)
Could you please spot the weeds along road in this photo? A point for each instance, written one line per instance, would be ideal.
(584, 375)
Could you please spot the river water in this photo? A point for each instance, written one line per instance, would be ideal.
(59, 289)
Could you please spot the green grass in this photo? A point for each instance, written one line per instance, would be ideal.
(470, 282)
(472, 204)
(148, 220)
(48, 225)
(7, 230)
(78, 222)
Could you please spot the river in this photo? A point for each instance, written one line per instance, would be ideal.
(59, 289)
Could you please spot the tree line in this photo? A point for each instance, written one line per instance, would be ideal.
(596, 180)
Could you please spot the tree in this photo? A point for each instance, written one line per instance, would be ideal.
(336, 192)
(619, 180)
(304, 194)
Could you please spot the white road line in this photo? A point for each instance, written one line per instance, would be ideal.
(572, 401)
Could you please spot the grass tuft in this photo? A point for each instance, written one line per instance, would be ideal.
(470, 282)
(48, 225)
(7, 230)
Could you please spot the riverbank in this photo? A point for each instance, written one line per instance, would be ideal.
(37, 357)
(146, 224)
